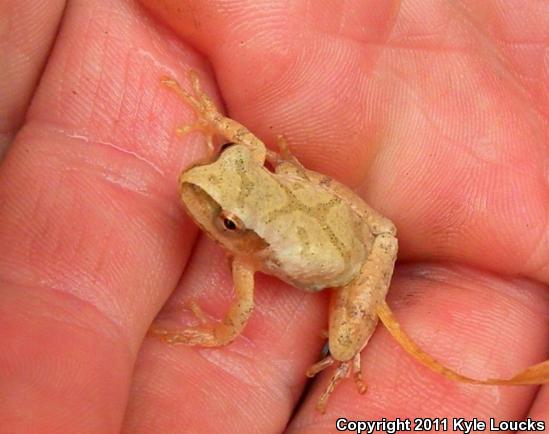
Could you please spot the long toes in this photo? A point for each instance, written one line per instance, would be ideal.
(195, 333)
(169, 82)
(185, 129)
(200, 125)
(198, 312)
(195, 81)
(188, 337)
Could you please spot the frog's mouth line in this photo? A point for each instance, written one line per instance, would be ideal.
(205, 211)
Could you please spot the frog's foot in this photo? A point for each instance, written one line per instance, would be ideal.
(341, 372)
(200, 102)
(232, 324)
(283, 155)
(206, 334)
(283, 148)
(210, 121)
(208, 116)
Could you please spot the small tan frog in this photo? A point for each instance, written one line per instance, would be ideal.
(298, 225)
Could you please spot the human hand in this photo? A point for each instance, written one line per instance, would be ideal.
(443, 112)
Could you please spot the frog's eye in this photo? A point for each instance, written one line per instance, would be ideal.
(229, 222)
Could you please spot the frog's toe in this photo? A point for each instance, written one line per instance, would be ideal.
(320, 366)
(168, 336)
(173, 85)
(357, 374)
(203, 336)
(156, 331)
(198, 312)
(342, 371)
(203, 127)
(192, 336)
(360, 385)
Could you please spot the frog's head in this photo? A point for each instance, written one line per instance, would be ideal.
(216, 196)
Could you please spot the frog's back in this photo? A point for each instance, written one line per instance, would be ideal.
(316, 239)
(313, 237)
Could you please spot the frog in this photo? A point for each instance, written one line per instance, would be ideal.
(300, 226)
(272, 215)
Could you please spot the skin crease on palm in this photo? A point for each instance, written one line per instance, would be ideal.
(443, 107)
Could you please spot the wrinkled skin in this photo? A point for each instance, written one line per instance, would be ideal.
(443, 107)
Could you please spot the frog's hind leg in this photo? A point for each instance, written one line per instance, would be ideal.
(353, 315)
(210, 121)
(229, 327)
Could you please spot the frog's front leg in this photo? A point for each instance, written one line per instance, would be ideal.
(211, 122)
(230, 326)
(353, 315)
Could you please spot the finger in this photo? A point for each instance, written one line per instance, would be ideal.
(540, 406)
(93, 238)
(27, 32)
(443, 141)
(266, 62)
(480, 325)
(257, 379)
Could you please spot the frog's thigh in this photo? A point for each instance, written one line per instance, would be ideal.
(353, 307)
(230, 326)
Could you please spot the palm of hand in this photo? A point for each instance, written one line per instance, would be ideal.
(444, 113)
